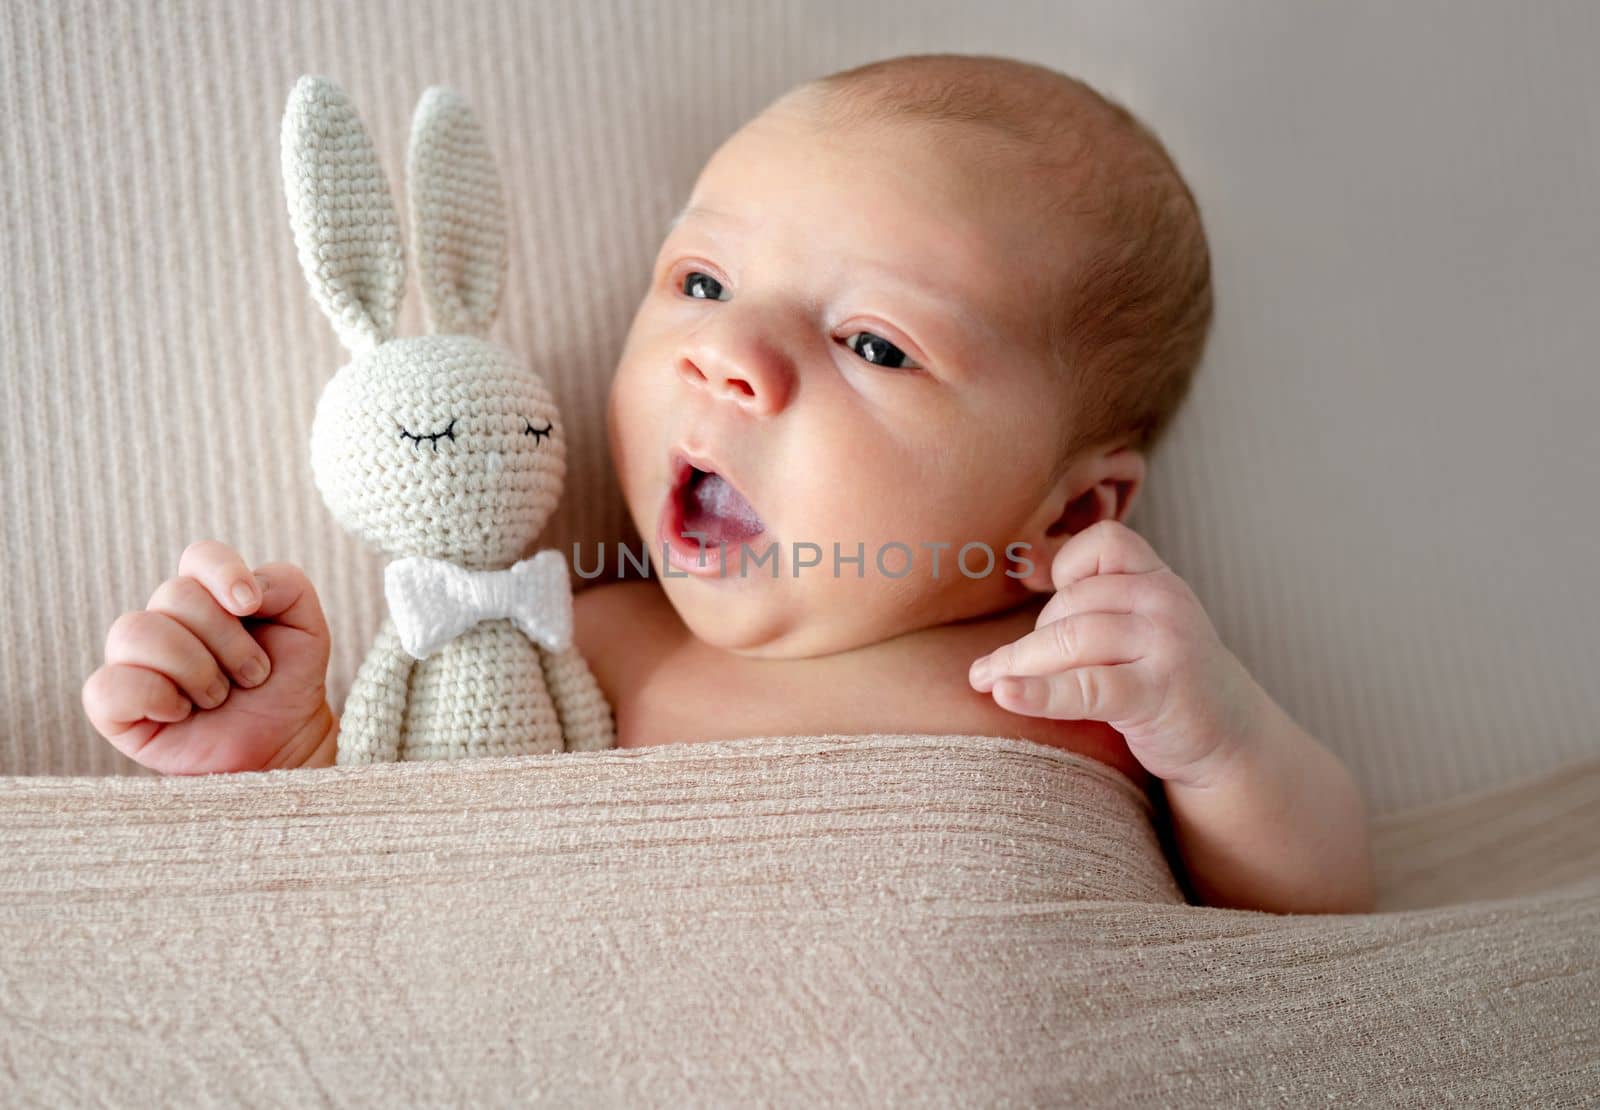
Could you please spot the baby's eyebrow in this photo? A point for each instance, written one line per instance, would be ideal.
(954, 306)
(974, 324)
(697, 210)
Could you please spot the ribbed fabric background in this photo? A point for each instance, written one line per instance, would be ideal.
(1383, 488)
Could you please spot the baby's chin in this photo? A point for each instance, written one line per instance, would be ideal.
(742, 617)
(769, 619)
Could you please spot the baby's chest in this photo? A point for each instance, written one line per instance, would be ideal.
(692, 698)
(689, 697)
(667, 687)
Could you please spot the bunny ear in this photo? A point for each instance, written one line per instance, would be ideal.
(458, 217)
(345, 226)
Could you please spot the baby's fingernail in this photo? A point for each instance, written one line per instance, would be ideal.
(253, 671)
(216, 693)
(244, 595)
(978, 674)
(1024, 693)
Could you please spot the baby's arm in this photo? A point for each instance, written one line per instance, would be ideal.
(1275, 824)
(1264, 817)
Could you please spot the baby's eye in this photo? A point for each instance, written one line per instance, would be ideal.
(875, 347)
(707, 288)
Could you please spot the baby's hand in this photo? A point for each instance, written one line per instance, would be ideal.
(204, 681)
(1125, 641)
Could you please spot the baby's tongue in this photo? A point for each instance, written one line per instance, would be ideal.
(717, 511)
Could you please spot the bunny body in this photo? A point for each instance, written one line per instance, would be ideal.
(439, 447)
(528, 699)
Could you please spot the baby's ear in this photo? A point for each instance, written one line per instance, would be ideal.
(1098, 488)
(1056, 521)
(1046, 541)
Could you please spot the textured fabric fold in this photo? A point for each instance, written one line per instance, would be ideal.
(792, 920)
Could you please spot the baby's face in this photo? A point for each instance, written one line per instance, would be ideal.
(836, 329)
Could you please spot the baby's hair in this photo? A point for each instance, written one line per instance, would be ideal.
(1128, 320)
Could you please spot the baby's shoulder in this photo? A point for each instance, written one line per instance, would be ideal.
(608, 605)
(942, 655)
(616, 599)
(619, 625)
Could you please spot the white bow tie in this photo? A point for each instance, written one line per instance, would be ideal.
(433, 601)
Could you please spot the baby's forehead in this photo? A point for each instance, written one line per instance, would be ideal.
(911, 170)
(968, 158)
(950, 207)
(1023, 196)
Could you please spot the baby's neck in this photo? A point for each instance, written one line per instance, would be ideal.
(1018, 612)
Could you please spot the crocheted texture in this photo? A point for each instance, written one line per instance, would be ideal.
(345, 228)
(444, 451)
(458, 220)
(375, 709)
(489, 691)
(585, 714)
(422, 447)
(483, 693)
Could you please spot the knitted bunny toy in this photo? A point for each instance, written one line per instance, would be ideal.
(445, 450)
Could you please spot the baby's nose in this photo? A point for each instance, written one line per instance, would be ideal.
(758, 385)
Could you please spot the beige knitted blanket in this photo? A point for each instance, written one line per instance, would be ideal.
(821, 920)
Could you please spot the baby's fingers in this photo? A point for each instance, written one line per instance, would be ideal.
(1110, 593)
(119, 697)
(162, 643)
(1079, 640)
(1105, 547)
(289, 599)
(224, 574)
(1110, 694)
(223, 641)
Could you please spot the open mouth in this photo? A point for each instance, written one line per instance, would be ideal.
(704, 508)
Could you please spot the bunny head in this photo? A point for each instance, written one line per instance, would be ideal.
(443, 445)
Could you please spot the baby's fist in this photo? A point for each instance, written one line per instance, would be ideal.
(1124, 640)
(209, 679)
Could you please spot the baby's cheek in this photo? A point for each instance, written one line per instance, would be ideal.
(632, 426)
(864, 512)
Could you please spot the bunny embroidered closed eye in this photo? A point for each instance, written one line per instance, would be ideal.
(449, 431)
(475, 656)
(496, 461)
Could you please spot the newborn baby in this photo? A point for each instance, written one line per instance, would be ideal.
(880, 413)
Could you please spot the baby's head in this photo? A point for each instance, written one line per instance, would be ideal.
(932, 303)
